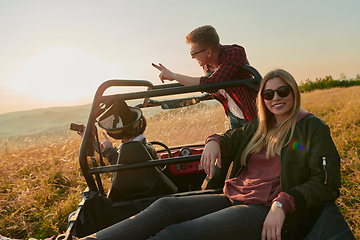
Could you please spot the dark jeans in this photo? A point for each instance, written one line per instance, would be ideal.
(234, 121)
(211, 216)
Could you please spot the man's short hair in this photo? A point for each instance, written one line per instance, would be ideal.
(205, 36)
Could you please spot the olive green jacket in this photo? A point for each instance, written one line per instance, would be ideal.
(310, 164)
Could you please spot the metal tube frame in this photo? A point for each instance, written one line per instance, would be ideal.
(153, 91)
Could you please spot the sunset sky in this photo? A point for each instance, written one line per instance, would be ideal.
(56, 53)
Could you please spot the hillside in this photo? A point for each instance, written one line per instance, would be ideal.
(49, 120)
(39, 120)
(40, 182)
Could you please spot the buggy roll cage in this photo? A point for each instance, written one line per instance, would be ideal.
(101, 103)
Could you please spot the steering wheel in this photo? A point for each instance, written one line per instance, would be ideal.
(167, 150)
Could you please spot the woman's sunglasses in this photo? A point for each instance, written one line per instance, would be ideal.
(281, 91)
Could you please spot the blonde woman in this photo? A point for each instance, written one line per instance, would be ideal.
(281, 168)
(286, 160)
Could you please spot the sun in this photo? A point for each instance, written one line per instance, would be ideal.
(62, 74)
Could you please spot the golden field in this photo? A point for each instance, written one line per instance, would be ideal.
(41, 184)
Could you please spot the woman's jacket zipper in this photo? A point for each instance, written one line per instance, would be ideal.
(324, 166)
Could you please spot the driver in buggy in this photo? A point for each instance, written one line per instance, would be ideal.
(128, 124)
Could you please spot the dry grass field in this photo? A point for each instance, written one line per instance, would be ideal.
(41, 184)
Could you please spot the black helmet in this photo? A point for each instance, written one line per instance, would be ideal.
(121, 121)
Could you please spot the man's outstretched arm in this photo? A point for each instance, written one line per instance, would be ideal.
(166, 74)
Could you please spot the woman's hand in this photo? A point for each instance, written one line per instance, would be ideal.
(273, 223)
(210, 156)
(106, 143)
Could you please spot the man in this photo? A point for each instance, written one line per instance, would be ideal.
(220, 63)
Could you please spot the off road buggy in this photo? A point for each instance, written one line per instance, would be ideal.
(176, 172)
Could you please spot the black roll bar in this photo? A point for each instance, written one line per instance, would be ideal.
(151, 163)
(153, 91)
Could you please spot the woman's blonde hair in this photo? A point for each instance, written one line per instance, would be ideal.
(273, 138)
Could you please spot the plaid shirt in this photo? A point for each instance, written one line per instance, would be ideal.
(231, 58)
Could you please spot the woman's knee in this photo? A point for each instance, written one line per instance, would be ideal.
(166, 204)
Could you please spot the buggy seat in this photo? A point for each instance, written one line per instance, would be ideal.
(140, 182)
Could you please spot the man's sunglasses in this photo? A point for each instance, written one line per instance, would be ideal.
(281, 91)
(193, 54)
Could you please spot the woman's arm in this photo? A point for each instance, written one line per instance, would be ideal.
(211, 156)
(323, 166)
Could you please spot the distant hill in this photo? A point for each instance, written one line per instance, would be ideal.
(39, 120)
(55, 118)
(48, 119)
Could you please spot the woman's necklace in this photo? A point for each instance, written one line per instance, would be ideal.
(275, 124)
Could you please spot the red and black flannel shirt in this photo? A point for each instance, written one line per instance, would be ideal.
(231, 58)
